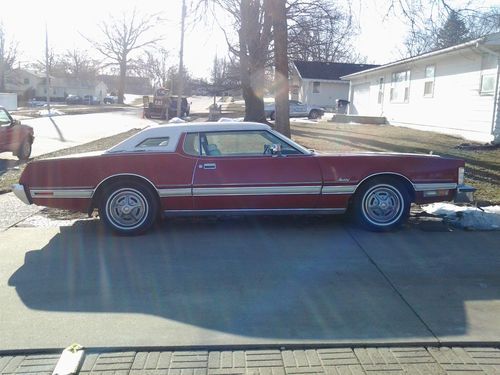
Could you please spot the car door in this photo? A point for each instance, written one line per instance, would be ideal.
(298, 109)
(238, 171)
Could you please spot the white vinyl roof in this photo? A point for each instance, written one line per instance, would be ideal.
(174, 131)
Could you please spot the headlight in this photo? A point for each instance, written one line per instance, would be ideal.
(461, 172)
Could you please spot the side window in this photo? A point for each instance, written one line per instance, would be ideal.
(429, 81)
(242, 143)
(191, 144)
(316, 86)
(154, 142)
(4, 118)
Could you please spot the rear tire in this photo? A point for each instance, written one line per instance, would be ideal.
(382, 204)
(128, 207)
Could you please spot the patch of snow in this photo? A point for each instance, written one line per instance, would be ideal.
(228, 119)
(176, 120)
(53, 112)
(473, 218)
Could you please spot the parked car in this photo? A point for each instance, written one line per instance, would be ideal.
(74, 99)
(15, 137)
(172, 109)
(110, 99)
(297, 109)
(90, 100)
(239, 167)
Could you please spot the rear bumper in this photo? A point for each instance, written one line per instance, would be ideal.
(20, 192)
(464, 194)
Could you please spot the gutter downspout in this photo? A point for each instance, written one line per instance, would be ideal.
(496, 138)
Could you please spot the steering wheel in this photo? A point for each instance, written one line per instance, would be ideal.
(267, 150)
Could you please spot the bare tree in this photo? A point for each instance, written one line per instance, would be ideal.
(320, 30)
(8, 55)
(122, 36)
(437, 24)
(78, 64)
(154, 65)
(278, 13)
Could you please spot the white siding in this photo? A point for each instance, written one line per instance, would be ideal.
(328, 93)
(456, 107)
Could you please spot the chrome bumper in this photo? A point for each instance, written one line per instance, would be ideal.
(465, 194)
(19, 191)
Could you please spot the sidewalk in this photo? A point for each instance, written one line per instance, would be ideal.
(355, 361)
(14, 211)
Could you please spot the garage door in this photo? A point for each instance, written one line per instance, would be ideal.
(360, 99)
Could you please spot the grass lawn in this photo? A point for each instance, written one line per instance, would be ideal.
(482, 164)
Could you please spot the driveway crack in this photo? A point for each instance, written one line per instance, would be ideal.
(393, 286)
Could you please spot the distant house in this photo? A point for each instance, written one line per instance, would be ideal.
(453, 90)
(133, 85)
(319, 83)
(31, 84)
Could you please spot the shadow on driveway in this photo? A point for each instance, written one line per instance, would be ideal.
(287, 279)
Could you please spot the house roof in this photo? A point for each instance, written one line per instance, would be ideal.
(486, 41)
(328, 70)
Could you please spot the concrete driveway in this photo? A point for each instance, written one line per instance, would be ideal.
(249, 281)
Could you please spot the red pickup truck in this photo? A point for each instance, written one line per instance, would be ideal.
(15, 137)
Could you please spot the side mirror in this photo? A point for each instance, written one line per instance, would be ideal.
(275, 149)
(16, 122)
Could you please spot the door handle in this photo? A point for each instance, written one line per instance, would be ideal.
(209, 166)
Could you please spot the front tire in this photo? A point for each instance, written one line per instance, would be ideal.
(24, 151)
(128, 208)
(382, 204)
(314, 114)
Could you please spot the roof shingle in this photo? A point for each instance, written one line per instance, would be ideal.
(328, 70)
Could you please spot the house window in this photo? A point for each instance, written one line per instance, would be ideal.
(429, 81)
(54, 91)
(316, 87)
(400, 87)
(488, 74)
(380, 90)
(26, 81)
(487, 84)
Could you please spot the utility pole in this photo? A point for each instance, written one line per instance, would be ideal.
(47, 84)
(47, 73)
(181, 63)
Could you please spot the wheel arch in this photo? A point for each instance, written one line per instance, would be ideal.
(100, 188)
(392, 175)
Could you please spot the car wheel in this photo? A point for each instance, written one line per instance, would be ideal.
(128, 208)
(314, 114)
(24, 151)
(272, 116)
(382, 204)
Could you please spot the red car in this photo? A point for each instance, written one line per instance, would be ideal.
(15, 137)
(242, 168)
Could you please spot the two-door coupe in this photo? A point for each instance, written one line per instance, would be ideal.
(227, 168)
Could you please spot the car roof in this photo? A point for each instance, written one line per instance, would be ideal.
(174, 131)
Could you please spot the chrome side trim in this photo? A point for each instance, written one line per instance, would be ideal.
(20, 193)
(176, 192)
(346, 189)
(61, 193)
(435, 186)
(257, 211)
(256, 190)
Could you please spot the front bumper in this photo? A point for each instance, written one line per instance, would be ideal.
(20, 192)
(465, 194)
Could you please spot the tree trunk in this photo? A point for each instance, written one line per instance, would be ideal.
(252, 62)
(121, 82)
(281, 67)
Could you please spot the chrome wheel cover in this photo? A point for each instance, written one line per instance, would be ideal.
(383, 205)
(127, 208)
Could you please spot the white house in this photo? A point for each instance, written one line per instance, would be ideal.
(453, 90)
(319, 83)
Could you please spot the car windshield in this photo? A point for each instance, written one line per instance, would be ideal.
(250, 187)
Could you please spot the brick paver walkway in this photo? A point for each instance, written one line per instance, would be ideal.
(335, 361)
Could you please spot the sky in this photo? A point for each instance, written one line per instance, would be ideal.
(380, 36)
